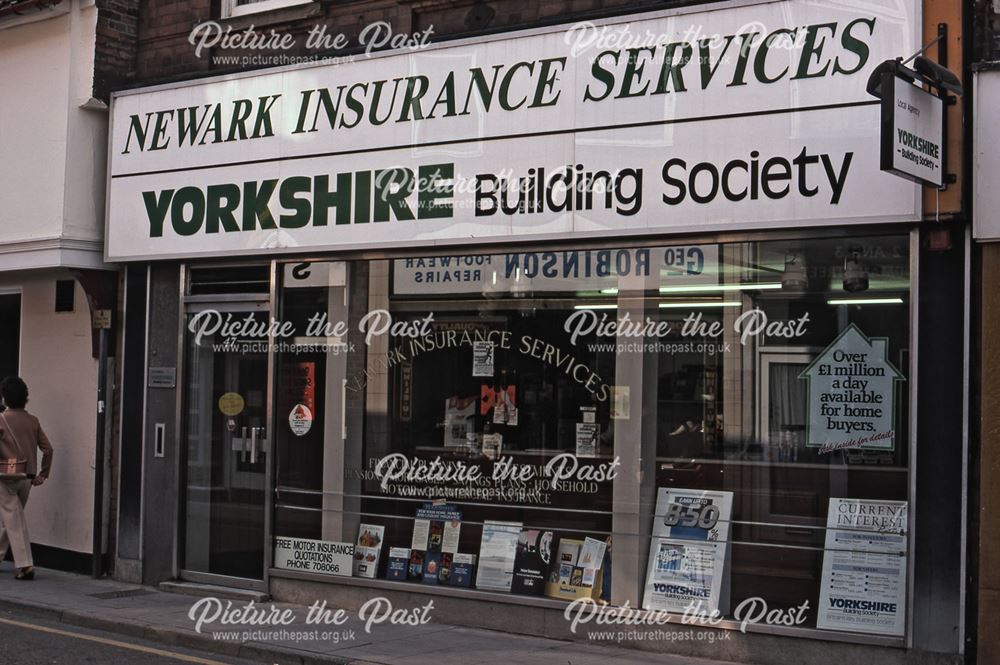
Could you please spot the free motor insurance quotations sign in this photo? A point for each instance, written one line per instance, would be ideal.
(738, 116)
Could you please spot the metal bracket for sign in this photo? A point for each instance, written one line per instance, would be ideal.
(936, 81)
(949, 100)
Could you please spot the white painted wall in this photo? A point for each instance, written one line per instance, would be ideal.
(985, 156)
(54, 145)
(61, 374)
(52, 184)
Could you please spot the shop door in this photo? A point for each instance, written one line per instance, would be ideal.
(794, 479)
(227, 444)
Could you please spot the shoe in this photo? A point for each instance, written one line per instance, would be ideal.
(26, 573)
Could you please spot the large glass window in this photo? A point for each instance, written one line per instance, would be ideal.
(567, 415)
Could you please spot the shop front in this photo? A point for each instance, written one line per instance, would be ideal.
(558, 331)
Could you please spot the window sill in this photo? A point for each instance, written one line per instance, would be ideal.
(560, 605)
(429, 589)
(273, 16)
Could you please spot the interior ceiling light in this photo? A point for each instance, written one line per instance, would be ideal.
(865, 301)
(794, 277)
(700, 288)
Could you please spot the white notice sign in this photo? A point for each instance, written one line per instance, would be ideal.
(315, 556)
(483, 353)
(525, 136)
(864, 567)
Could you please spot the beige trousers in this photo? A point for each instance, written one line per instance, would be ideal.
(13, 497)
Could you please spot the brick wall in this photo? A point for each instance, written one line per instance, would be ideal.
(164, 26)
(114, 52)
(986, 31)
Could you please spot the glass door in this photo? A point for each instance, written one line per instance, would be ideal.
(225, 426)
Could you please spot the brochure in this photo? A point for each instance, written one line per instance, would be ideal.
(366, 554)
(569, 553)
(421, 532)
(531, 562)
(445, 569)
(432, 566)
(462, 569)
(591, 553)
(496, 555)
(437, 528)
(398, 563)
(449, 541)
(416, 568)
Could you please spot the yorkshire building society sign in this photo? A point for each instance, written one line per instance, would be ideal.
(727, 117)
(852, 395)
(912, 132)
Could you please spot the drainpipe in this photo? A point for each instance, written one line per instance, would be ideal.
(102, 390)
(101, 289)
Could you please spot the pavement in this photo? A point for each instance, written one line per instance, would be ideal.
(152, 615)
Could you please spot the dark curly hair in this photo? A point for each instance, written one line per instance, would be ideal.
(14, 391)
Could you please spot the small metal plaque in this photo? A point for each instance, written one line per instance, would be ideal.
(102, 319)
(162, 377)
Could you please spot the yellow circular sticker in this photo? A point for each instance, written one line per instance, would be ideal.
(231, 404)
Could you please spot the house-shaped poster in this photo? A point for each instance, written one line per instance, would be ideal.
(852, 394)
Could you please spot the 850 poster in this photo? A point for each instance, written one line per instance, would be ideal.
(688, 550)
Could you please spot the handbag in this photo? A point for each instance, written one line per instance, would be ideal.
(12, 468)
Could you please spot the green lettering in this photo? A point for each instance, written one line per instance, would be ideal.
(156, 210)
(855, 45)
(256, 212)
(434, 197)
(392, 186)
(605, 76)
(324, 199)
(633, 72)
(217, 212)
(810, 48)
(188, 196)
(671, 71)
(288, 200)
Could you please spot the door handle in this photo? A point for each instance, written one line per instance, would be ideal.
(253, 444)
(243, 446)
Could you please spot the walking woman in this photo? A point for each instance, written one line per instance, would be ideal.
(20, 438)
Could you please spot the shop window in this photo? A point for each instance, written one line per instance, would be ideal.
(65, 292)
(10, 333)
(244, 7)
(689, 418)
(217, 280)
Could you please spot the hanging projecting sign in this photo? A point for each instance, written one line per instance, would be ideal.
(734, 117)
(912, 142)
(852, 395)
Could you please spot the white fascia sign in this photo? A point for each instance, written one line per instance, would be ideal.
(734, 116)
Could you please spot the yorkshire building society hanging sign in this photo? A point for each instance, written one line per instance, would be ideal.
(912, 132)
(726, 117)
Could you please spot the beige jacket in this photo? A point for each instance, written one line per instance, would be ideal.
(29, 438)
